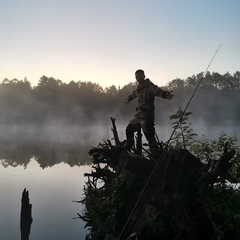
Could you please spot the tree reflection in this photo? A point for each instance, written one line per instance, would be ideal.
(15, 153)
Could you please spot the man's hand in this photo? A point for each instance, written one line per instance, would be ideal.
(169, 95)
(127, 101)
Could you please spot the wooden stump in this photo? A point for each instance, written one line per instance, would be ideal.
(26, 216)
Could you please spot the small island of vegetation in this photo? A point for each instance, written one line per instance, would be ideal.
(188, 189)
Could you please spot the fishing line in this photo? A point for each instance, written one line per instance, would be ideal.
(164, 150)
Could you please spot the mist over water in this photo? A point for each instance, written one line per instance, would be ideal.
(213, 132)
(63, 139)
(77, 115)
(91, 127)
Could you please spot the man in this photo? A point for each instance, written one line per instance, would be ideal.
(145, 92)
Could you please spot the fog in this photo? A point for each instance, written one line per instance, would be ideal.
(55, 142)
(56, 118)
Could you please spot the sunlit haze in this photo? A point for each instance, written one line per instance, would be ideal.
(106, 41)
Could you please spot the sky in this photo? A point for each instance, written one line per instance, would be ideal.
(106, 41)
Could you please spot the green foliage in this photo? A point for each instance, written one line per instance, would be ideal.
(183, 135)
(204, 148)
(207, 149)
(225, 208)
(225, 212)
(106, 206)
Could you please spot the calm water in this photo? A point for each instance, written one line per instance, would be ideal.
(54, 178)
(51, 191)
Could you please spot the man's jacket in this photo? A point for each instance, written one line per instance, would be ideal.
(146, 93)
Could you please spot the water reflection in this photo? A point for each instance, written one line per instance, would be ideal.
(47, 154)
(53, 174)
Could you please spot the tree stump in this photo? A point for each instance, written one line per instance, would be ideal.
(26, 216)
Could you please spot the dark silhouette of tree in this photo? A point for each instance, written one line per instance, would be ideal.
(112, 90)
(176, 84)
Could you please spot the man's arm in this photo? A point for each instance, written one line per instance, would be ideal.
(157, 91)
(131, 96)
(169, 95)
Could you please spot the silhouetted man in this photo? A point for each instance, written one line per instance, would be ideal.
(144, 118)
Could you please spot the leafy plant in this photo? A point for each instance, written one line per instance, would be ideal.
(183, 136)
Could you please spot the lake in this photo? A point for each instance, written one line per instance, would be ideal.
(52, 170)
(52, 191)
(50, 163)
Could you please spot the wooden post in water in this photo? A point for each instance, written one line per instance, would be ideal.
(26, 216)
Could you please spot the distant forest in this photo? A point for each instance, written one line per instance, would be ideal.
(56, 121)
(217, 101)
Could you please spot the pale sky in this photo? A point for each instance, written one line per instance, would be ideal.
(106, 41)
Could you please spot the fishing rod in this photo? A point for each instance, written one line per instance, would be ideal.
(164, 150)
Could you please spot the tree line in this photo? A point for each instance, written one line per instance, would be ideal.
(28, 115)
(83, 102)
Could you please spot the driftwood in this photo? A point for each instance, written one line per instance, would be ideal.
(26, 216)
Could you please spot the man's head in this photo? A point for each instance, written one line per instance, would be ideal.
(139, 75)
